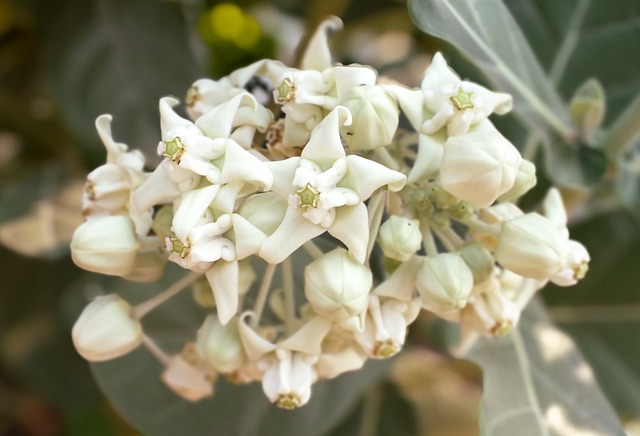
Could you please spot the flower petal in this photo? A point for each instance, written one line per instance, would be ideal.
(325, 145)
(191, 208)
(365, 176)
(317, 55)
(223, 279)
(351, 226)
(217, 122)
(294, 231)
(239, 164)
(309, 337)
(283, 173)
(169, 119)
(248, 238)
(254, 345)
(429, 160)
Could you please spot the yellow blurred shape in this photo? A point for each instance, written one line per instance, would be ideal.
(48, 226)
(229, 23)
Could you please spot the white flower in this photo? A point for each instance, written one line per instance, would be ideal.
(575, 267)
(109, 187)
(106, 329)
(386, 324)
(449, 101)
(326, 189)
(288, 365)
(205, 147)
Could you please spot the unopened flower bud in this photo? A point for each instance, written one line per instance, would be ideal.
(525, 180)
(375, 118)
(400, 237)
(587, 108)
(530, 245)
(105, 244)
(479, 261)
(478, 167)
(444, 282)
(337, 286)
(106, 329)
(220, 346)
(576, 265)
(148, 266)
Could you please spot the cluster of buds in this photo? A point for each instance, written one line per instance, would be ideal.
(415, 184)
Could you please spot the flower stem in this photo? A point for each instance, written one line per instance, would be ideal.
(263, 292)
(312, 249)
(476, 224)
(144, 308)
(157, 352)
(428, 242)
(289, 296)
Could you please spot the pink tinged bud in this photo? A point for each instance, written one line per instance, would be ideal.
(106, 244)
(444, 282)
(188, 380)
(531, 246)
(106, 329)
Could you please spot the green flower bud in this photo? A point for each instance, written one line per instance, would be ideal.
(400, 237)
(444, 282)
(530, 245)
(220, 346)
(525, 180)
(375, 118)
(106, 244)
(479, 261)
(106, 329)
(587, 108)
(337, 286)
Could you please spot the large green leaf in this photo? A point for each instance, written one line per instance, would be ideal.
(536, 382)
(118, 57)
(598, 38)
(489, 36)
(602, 312)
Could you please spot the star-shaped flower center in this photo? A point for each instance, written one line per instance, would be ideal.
(385, 348)
(308, 196)
(179, 247)
(174, 149)
(286, 91)
(462, 99)
(288, 401)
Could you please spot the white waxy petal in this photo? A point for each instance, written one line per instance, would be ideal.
(317, 55)
(325, 146)
(223, 279)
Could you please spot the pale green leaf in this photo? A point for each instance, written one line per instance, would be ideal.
(537, 383)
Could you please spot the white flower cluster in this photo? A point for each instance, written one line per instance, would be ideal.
(245, 184)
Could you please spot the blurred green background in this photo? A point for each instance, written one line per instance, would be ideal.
(64, 63)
